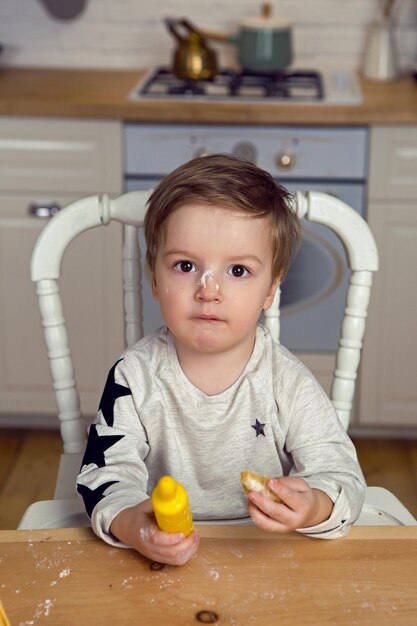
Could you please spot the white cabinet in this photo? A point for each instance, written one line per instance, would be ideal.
(60, 161)
(388, 384)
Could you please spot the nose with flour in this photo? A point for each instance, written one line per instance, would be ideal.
(208, 287)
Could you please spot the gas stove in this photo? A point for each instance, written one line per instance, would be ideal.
(294, 85)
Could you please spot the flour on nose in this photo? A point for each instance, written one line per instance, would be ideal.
(205, 277)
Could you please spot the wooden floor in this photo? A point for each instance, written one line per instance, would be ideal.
(29, 463)
(28, 469)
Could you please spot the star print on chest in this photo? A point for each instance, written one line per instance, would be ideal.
(259, 428)
(112, 391)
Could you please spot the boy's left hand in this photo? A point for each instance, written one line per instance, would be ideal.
(301, 506)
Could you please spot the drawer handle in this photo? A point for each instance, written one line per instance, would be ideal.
(43, 209)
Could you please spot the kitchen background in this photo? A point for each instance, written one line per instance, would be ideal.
(131, 33)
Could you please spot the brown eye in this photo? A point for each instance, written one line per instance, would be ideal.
(238, 271)
(185, 266)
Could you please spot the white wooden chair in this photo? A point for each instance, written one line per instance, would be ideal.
(381, 507)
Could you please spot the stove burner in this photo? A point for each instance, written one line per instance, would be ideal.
(188, 88)
(296, 85)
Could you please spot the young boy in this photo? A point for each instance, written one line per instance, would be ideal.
(212, 394)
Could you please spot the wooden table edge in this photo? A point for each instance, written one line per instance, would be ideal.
(215, 531)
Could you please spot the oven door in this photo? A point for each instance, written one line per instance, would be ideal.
(314, 290)
(313, 293)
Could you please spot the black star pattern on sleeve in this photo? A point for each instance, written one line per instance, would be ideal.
(96, 446)
(112, 391)
(259, 428)
(91, 497)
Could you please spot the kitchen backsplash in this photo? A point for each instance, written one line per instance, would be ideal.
(131, 33)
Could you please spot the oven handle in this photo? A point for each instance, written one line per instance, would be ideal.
(43, 210)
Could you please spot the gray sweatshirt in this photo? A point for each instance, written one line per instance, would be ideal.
(275, 419)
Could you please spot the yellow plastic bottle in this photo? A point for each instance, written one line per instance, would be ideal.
(3, 617)
(170, 503)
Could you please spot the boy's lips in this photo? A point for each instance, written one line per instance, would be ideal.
(208, 317)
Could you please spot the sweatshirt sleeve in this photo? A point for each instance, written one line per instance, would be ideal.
(113, 474)
(323, 454)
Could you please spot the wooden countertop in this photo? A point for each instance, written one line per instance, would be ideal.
(239, 575)
(104, 94)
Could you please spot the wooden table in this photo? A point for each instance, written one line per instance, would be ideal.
(240, 576)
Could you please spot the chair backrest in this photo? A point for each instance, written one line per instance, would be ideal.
(130, 209)
(362, 260)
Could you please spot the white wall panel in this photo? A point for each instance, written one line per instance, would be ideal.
(131, 33)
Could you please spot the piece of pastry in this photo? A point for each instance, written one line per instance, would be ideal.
(251, 481)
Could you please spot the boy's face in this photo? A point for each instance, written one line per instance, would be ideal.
(213, 277)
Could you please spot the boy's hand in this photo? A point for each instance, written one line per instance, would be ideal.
(137, 527)
(301, 506)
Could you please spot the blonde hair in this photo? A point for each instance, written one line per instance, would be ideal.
(226, 181)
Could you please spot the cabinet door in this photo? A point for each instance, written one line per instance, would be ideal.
(388, 390)
(393, 165)
(388, 385)
(93, 301)
(60, 156)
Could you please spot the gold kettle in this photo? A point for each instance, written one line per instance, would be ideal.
(193, 58)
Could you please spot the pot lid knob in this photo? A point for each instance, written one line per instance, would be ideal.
(266, 10)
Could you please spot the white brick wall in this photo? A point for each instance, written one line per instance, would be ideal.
(131, 33)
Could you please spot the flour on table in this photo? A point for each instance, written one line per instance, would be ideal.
(237, 553)
(42, 610)
(65, 572)
(214, 574)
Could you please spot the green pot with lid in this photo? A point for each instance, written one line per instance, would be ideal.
(264, 43)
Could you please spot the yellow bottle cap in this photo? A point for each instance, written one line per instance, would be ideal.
(167, 488)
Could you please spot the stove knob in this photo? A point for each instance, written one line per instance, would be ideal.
(285, 161)
(201, 152)
(245, 151)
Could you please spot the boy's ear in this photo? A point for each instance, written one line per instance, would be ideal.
(150, 275)
(154, 286)
(271, 293)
